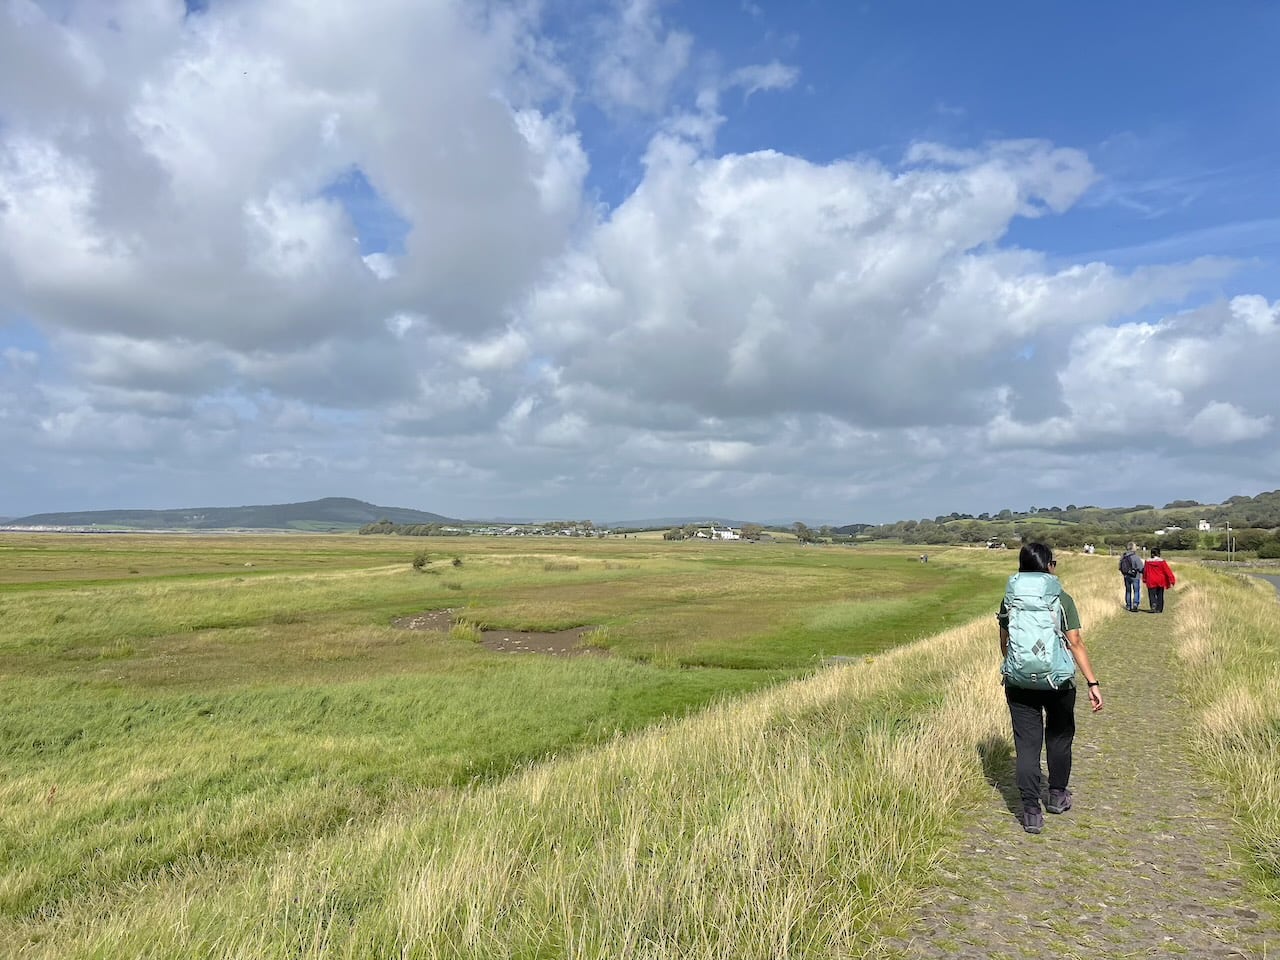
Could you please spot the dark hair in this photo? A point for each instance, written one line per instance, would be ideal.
(1034, 558)
(1155, 551)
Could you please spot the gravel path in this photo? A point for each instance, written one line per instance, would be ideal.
(1141, 867)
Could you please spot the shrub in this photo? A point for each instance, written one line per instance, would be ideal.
(420, 560)
(457, 561)
(1269, 550)
(1180, 540)
(1245, 538)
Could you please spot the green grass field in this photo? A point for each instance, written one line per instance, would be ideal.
(200, 758)
(169, 700)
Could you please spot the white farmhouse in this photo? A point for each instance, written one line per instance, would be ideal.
(726, 533)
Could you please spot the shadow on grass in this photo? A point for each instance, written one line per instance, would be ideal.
(996, 754)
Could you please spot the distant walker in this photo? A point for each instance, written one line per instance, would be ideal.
(1157, 575)
(1131, 569)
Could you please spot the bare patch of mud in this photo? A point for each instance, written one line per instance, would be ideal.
(438, 620)
(561, 643)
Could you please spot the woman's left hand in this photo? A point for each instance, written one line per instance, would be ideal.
(1095, 698)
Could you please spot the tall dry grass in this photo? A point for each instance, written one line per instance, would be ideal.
(1229, 635)
(786, 825)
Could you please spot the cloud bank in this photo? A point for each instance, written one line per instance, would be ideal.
(274, 251)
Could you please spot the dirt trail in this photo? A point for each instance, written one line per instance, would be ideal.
(1141, 867)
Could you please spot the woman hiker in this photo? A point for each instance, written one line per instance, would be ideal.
(1156, 576)
(1042, 648)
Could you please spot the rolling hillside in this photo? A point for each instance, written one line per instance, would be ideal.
(329, 514)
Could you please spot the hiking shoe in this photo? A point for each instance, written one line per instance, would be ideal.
(1032, 820)
(1059, 801)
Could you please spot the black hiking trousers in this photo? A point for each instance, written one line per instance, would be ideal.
(1155, 596)
(1042, 719)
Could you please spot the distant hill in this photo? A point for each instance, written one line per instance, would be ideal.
(332, 514)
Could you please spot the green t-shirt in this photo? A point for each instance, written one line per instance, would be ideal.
(1070, 616)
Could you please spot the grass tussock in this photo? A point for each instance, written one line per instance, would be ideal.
(597, 638)
(469, 630)
(791, 823)
(1229, 631)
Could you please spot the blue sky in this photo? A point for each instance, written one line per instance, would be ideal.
(637, 258)
(1175, 133)
(1170, 104)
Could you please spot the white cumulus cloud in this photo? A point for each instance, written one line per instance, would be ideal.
(299, 248)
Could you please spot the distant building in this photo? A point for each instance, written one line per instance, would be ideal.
(712, 532)
(1204, 526)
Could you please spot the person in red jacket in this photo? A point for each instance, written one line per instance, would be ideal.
(1157, 575)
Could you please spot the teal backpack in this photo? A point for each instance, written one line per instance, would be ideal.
(1038, 656)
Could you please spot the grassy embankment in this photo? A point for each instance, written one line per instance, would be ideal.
(1230, 641)
(179, 703)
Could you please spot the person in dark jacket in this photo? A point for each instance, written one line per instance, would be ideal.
(1131, 569)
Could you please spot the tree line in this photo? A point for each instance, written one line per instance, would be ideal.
(1255, 523)
(412, 529)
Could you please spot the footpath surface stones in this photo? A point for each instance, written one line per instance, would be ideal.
(1142, 866)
